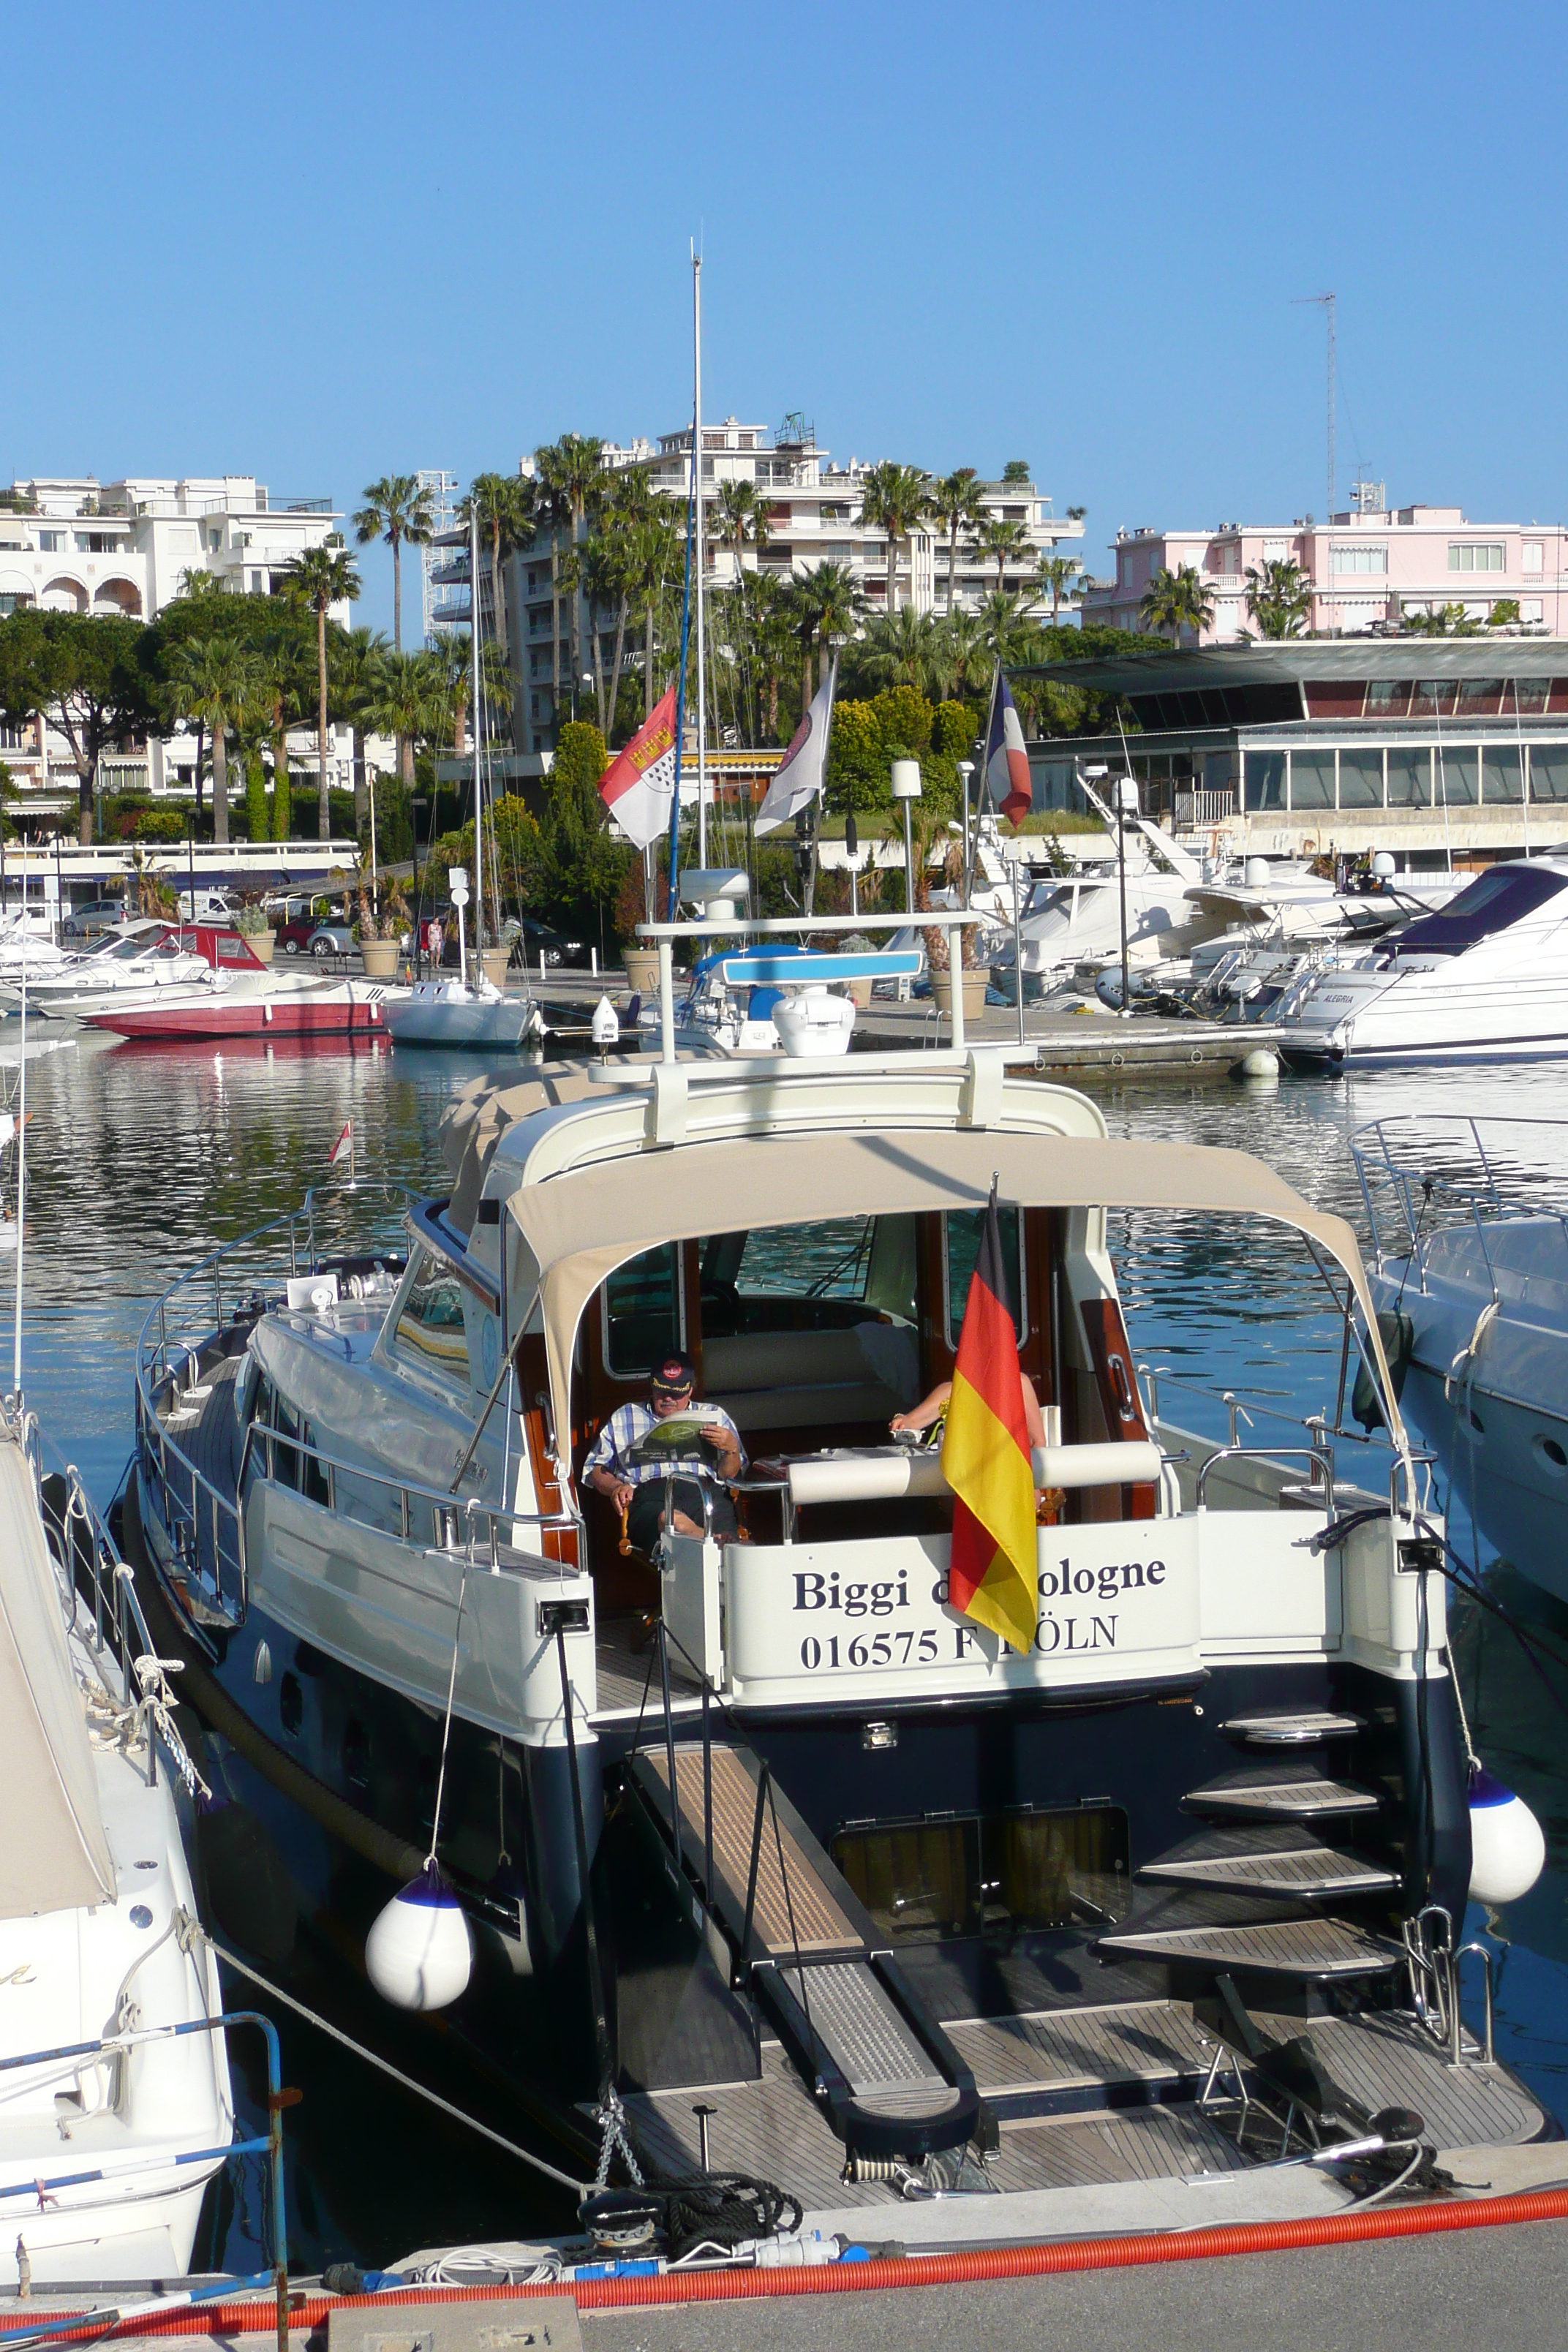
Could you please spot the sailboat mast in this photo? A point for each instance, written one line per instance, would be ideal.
(697, 476)
(479, 763)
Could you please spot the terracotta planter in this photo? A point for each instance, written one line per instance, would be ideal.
(380, 959)
(261, 944)
(642, 971)
(974, 986)
(495, 960)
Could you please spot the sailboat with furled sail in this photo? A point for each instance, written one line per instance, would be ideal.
(471, 1011)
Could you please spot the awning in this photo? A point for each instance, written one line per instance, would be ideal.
(580, 1226)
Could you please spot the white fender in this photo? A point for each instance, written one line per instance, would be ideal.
(419, 1954)
(1508, 1849)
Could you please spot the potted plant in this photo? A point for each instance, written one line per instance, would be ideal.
(253, 929)
(377, 937)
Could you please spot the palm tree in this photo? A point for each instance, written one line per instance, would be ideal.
(320, 578)
(739, 516)
(355, 662)
(651, 545)
(901, 648)
(283, 659)
(1278, 597)
(1176, 600)
(1055, 576)
(396, 509)
(507, 509)
(1009, 543)
(896, 500)
(215, 681)
(969, 652)
(956, 501)
(412, 704)
(1004, 633)
(837, 607)
(571, 472)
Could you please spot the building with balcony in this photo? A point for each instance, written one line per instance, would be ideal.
(73, 544)
(813, 513)
(1439, 750)
(1366, 570)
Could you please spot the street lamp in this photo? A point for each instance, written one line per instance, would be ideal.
(907, 788)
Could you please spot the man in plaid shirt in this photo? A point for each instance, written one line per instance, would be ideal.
(715, 1455)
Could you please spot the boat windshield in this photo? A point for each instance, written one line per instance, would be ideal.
(1493, 902)
(1058, 898)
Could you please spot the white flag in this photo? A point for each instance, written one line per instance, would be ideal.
(800, 772)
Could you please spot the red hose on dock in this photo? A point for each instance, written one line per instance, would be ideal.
(258, 2316)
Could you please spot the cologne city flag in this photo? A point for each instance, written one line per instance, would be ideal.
(639, 784)
(992, 1576)
(1006, 761)
(798, 777)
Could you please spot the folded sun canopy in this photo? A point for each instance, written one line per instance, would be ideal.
(580, 1226)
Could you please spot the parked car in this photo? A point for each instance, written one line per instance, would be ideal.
(297, 921)
(535, 939)
(90, 922)
(331, 938)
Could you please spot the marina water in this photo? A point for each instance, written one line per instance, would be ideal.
(141, 1159)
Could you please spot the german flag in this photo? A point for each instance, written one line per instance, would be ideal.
(986, 1455)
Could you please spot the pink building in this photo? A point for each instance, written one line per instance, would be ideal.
(1365, 569)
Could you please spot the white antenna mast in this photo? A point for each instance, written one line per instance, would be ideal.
(1327, 303)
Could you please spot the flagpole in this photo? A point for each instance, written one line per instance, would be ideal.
(474, 649)
(696, 479)
(674, 891)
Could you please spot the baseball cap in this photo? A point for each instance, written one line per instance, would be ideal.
(674, 1376)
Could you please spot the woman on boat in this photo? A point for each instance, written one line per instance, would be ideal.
(934, 1408)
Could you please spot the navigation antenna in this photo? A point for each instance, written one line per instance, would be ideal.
(1328, 302)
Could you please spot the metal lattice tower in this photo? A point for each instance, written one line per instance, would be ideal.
(1328, 302)
(443, 514)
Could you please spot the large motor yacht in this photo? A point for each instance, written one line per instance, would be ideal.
(760, 1830)
(1485, 975)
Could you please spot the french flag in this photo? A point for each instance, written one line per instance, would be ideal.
(1006, 761)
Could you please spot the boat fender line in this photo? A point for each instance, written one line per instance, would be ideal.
(1464, 1363)
(873, 2273)
(379, 1847)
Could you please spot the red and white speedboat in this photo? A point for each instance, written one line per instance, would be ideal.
(239, 997)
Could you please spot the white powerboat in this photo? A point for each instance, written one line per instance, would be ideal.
(1470, 1273)
(901, 1901)
(1485, 976)
(476, 1016)
(127, 963)
(110, 2135)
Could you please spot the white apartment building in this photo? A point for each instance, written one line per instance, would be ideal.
(1366, 569)
(123, 548)
(812, 509)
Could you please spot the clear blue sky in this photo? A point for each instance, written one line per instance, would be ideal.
(323, 242)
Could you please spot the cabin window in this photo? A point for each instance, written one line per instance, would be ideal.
(999, 1873)
(811, 1277)
(962, 1247)
(642, 1311)
(285, 1458)
(430, 1332)
(315, 1483)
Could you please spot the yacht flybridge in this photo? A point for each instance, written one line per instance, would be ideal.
(760, 1824)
